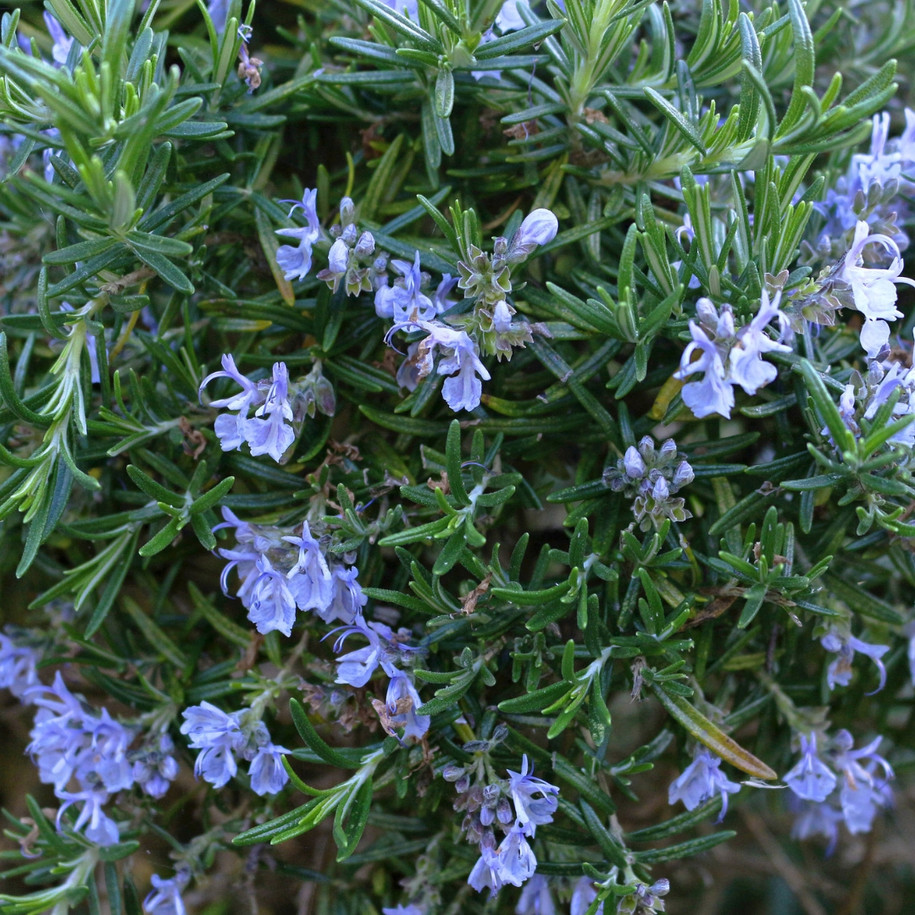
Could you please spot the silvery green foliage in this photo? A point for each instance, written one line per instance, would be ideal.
(391, 390)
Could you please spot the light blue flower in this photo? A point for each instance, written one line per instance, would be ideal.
(534, 798)
(219, 736)
(517, 861)
(487, 872)
(154, 769)
(269, 431)
(18, 666)
(271, 606)
(846, 646)
(405, 302)
(347, 598)
(310, 580)
(165, 896)
(99, 827)
(536, 898)
(701, 780)
(268, 775)
(295, 261)
(810, 779)
(583, 894)
(402, 701)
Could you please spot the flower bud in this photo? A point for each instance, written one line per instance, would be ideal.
(633, 463)
(338, 257)
(538, 228)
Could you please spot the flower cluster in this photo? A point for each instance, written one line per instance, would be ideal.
(651, 478)
(700, 781)
(386, 649)
(515, 808)
(281, 572)
(849, 788)
(88, 756)
(488, 328)
(350, 259)
(866, 394)
(877, 187)
(277, 411)
(728, 357)
(225, 738)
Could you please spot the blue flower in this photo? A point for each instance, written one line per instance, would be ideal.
(535, 898)
(268, 432)
(99, 827)
(268, 775)
(347, 598)
(219, 735)
(155, 769)
(486, 873)
(583, 894)
(701, 780)
(517, 861)
(534, 799)
(271, 606)
(810, 779)
(815, 819)
(310, 580)
(165, 897)
(405, 302)
(402, 701)
(295, 262)
(846, 645)
(18, 666)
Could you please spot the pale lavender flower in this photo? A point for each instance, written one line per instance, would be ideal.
(60, 50)
(165, 896)
(861, 802)
(745, 363)
(268, 775)
(155, 769)
(714, 393)
(728, 357)
(405, 302)
(268, 432)
(295, 262)
(509, 18)
(517, 861)
(347, 598)
(846, 646)
(18, 666)
(356, 668)
(457, 354)
(99, 827)
(583, 894)
(536, 898)
(402, 701)
(231, 430)
(487, 872)
(402, 910)
(534, 798)
(816, 819)
(271, 606)
(310, 580)
(873, 289)
(701, 780)
(810, 779)
(219, 736)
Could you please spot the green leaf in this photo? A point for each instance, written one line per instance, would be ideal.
(708, 734)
